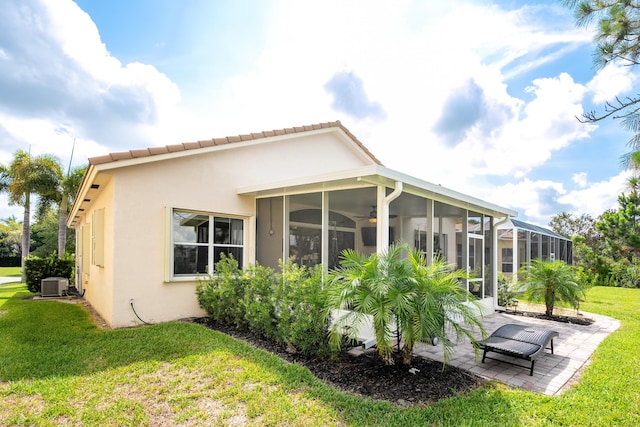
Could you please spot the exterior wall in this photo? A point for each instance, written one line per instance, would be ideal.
(296, 157)
(97, 281)
(137, 225)
(449, 229)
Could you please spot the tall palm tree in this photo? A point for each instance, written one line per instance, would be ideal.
(25, 176)
(404, 296)
(63, 196)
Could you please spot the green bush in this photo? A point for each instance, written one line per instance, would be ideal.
(221, 294)
(258, 301)
(587, 278)
(628, 273)
(287, 307)
(37, 268)
(506, 295)
(301, 308)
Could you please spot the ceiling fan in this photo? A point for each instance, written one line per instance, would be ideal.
(373, 215)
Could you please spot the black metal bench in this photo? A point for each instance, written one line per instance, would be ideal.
(520, 341)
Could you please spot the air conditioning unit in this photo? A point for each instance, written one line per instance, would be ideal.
(54, 286)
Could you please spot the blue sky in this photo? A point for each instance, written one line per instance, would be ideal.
(477, 96)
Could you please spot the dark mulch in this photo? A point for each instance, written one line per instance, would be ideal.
(366, 375)
(576, 320)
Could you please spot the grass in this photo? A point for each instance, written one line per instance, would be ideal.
(10, 272)
(58, 368)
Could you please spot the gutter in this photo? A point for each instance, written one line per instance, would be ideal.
(383, 215)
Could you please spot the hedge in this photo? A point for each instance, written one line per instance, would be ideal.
(37, 268)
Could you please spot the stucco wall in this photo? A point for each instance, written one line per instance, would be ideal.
(206, 182)
(96, 280)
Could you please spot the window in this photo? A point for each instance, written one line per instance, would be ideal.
(98, 238)
(200, 239)
(85, 244)
(507, 260)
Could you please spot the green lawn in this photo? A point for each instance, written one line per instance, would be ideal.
(57, 368)
(10, 272)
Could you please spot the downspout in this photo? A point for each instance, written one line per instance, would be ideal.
(383, 217)
(494, 264)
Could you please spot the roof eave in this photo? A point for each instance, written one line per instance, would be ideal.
(377, 175)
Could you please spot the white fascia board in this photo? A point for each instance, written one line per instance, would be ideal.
(443, 194)
(377, 175)
(85, 185)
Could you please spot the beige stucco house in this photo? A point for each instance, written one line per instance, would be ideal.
(150, 221)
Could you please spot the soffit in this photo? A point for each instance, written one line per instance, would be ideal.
(376, 175)
(91, 186)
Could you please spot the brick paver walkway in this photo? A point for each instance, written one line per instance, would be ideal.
(553, 372)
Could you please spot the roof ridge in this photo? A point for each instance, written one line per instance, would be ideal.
(153, 151)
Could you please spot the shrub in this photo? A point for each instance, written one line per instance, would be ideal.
(625, 273)
(587, 278)
(10, 261)
(37, 268)
(287, 307)
(506, 296)
(221, 294)
(258, 301)
(300, 308)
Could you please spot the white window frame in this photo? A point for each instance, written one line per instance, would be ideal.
(211, 245)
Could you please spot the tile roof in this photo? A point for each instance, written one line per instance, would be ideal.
(147, 152)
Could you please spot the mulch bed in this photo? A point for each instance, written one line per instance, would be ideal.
(576, 320)
(423, 382)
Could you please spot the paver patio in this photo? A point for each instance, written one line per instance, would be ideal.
(553, 372)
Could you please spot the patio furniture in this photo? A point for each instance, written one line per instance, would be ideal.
(519, 341)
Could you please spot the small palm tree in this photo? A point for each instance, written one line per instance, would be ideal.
(550, 282)
(367, 286)
(402, 295)
(440, 305)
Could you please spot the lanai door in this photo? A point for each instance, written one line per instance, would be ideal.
(476, 264)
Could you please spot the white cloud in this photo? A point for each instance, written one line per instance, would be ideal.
(538, 201)
(580, 179)
(534, 200)
(56, 71)
(610, 82)
(597, 197)
(411, 73)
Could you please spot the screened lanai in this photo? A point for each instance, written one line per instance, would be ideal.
(520, 242)
(370, 208)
